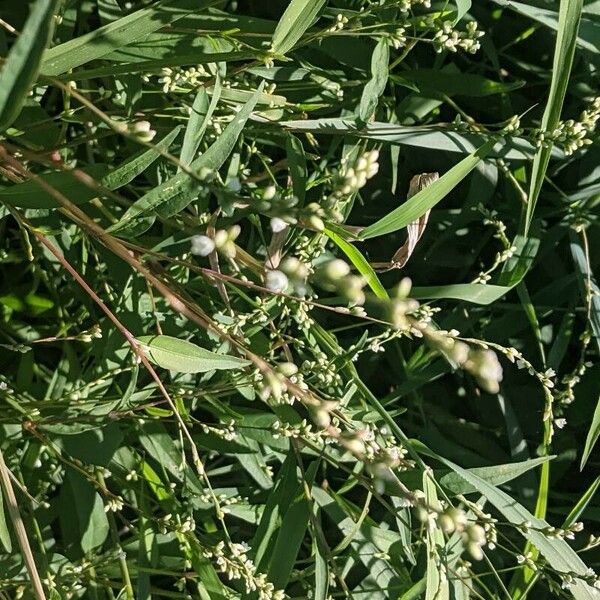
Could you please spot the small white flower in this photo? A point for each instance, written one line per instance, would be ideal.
(560, 423)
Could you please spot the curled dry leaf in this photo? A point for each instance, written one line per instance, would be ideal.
(415, 229)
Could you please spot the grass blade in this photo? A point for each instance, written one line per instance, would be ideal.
(592, 436)
(297, 18)
(360, 262)
(124, 31)
(568, 25)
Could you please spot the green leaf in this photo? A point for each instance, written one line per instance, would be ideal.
(157, 442)
(435, 81)
(437, 586)
(568, 25)
(434, 138)
(182, 356)
(557, 551)
(191, 139)
(321, 572)
(200, 117)
(100, 42)
(298, 170)
(477, 293)
(297, 18)
(360, 262)
(154, 66)
(496, 475)
(177, 192)
(31, 195)
(81, 513)
(592, 436)
(586, 278)
(4, 532)
(463, 7)
(291, 533)
(22, 64)
(428, 197)
(275, 506)
(136, 165)
(588, 36)
(379, 78)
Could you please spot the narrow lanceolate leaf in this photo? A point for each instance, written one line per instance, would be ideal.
(428, 197)
(379, 78)
(177, 192)
(129, 170)
(191, 139)
(21, 67)
(297, 18)
(556, 551)
(590, 291)
(564, 51)
(477, 293)
(360, 262)
(297, 161)
(437, 583)
(321, 572)
(182, 356)
(117, 34)
(592, 436)
(587, 38)
(291, 534)
(496, 475)
(4, 533)
(31, 195)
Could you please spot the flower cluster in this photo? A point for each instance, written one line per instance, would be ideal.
(338, 25)
(480, 362)
(232, 560)
(354, 177)
(335, 276)
(448, 38)
(571, 135)
(302, 431)
(94, 332)
(223, 241)
(407, 5)
(178, 79)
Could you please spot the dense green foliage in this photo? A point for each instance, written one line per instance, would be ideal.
(297, 299)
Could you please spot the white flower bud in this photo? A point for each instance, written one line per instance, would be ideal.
(278, 225)
(202, 245)
(276, 281)
(337, 269)
(142, 130)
